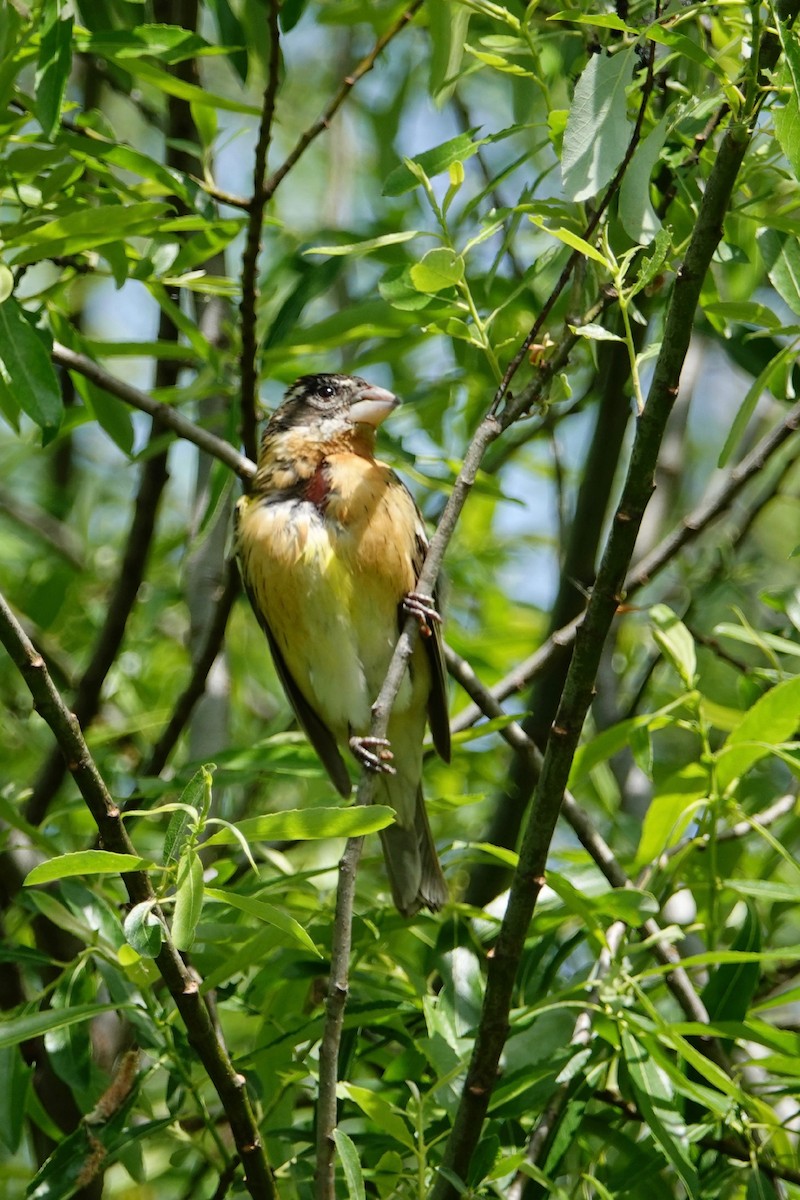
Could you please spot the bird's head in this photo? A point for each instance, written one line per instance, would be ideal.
(320, 415)
(330, 407)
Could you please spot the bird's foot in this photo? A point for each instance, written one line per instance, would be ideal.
(374, 753)
(415, 604)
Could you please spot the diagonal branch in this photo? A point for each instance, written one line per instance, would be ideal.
(183, 985)
(165, 416)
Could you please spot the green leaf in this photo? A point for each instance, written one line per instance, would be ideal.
(438, 270)
(598, 132)
(731, 987)
(773, 719)
(172, 85)
(356, 249)
(636, 213)
(433, 162)
(188, 900)
(87, 229)
(671, 810)
(169, 43)
(765, 889)
(144, 930)
(303, 824)
(85, 862)
(380, 1112)
(53, 69)
(759, 1186)
(775, 368)
(16, 1076)
(26, 370)
(596, 333)
(781, 255)
(351, 1165)
(657, 1103)
(573, 240)
(268, 913)
(675, 642)
(14, 1030)
(448, 26)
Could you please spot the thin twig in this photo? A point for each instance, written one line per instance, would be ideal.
(166, 416)
(255, 223)
(335, 1001)
(183, 985)
(322, 122)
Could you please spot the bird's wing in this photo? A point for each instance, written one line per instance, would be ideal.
(438, 716)
(316, 730)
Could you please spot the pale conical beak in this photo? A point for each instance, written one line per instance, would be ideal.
(372, 406)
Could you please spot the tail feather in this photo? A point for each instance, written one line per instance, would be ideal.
(412, 864)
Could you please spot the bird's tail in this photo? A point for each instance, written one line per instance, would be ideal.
(412, 864)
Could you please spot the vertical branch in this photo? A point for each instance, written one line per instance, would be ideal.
(589, 642)
(336, 999)
(255, 223)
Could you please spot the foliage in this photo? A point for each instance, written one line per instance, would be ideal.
(490, 209)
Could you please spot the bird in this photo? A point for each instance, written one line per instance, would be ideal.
(330, 545)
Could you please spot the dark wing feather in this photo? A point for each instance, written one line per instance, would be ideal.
(438, 716)
(316, 730)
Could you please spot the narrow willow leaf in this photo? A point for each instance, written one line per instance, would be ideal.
(351, 1165)
(302, 824)
(772, 720)
(671, 810)
(380, 1112)
(675, 642)
(433, 162)
(598, 132)
(781, 255)
(14, 1030)
(636, 213)
(53, 70)
(573, 240)
(775, 369)
(188, 900)
(26, 370)
(657, 1103)
(268, 913)
(356, 249)
(731, 987)
(85, 862)
(86, 230)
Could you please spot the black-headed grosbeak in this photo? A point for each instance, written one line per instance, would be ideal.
(330, 546)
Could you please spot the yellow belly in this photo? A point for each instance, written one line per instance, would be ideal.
(330, 600)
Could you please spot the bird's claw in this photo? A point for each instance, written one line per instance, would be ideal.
(374, 753)
(415, 604)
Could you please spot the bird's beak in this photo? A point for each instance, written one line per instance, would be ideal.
(372, 405)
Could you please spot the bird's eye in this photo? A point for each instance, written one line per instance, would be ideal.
(325, 392)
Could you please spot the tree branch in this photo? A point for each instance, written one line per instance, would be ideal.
(183, 986)
(589, 642)
(165, 416)
(252, 248)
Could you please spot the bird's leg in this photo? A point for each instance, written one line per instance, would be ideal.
(374, 753)
(415, 604)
